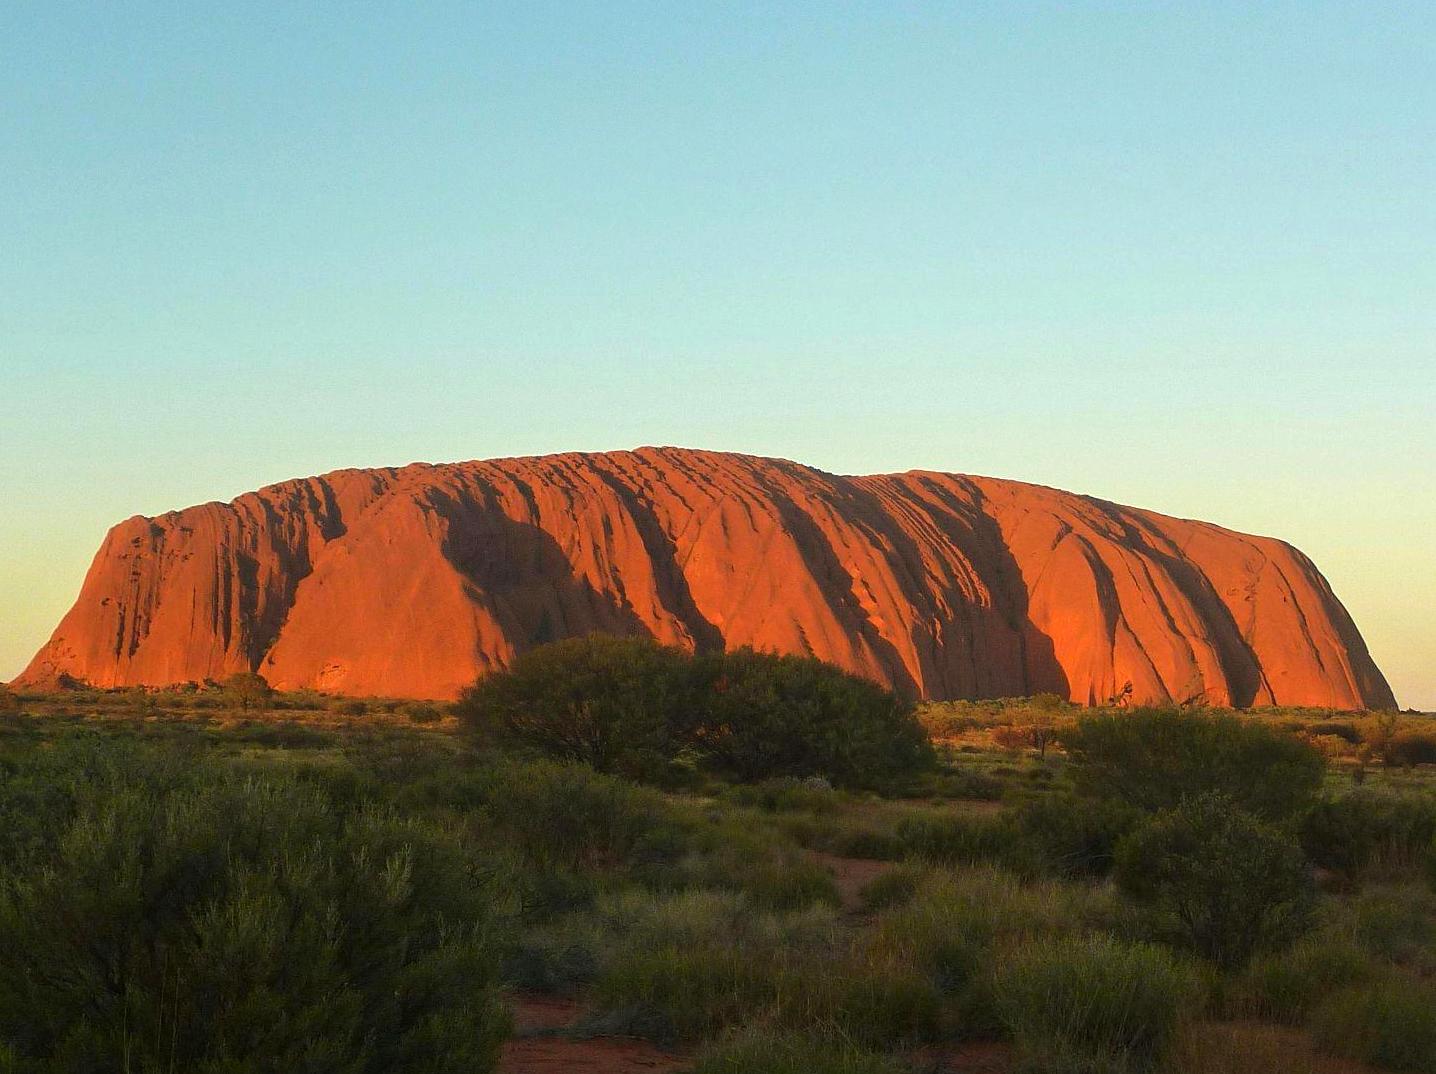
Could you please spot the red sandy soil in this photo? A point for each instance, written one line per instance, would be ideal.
(411, 582)
(851, 875)
(1218, 1047)
(975, 1057)
(533, 1050)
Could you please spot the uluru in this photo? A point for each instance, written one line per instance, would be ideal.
(413, 581)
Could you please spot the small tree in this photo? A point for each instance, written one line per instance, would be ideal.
(248, 690)
(1235, 884)
(1037, 728)
(9, 703)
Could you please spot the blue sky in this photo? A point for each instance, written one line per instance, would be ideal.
(1176, 256)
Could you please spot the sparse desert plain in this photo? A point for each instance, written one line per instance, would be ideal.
(621, 857)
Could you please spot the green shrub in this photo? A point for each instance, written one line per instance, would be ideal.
(632, 706)
(1235, 884)
(41, 794)
(1094, 1003)
(684, 994)
(674, 994)
(1370, 832)
(766, 1051)
(870, 844)
(550, 970)
(896, 887)
(872, 1004)
(788, 883)
(1076, 836)
(286, 735)
(1287, 986)
(568, 814)
(1412, 747)
(686, 968)
(959, 783)
(1155, 759)
(952, 926)
(734, 854)
(352, 707)
(247, 690)
(615, 703)
(1390, 1022)
(766, 715)
(784, 794)
(9, 703)
(421, 712)
(636, 919)
(574, 949)
(1343, 730)
(956, 838)
(242, 925)
(1396, 923)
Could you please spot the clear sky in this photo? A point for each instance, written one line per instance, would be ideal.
(1179, 256)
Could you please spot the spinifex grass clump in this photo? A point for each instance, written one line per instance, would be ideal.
(768, 1051)
(688, 966)
(1371, 833)
(1094, 1003)
(685, 994)
(959, 926)
(1285, 987)
(1389, 1021)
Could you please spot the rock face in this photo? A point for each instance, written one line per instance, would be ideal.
(413, 581)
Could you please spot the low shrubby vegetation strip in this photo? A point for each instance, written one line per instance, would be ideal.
(225, 879)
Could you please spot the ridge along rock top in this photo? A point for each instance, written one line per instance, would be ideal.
(414, 581)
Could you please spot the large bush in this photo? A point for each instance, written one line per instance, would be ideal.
(767, 715)
(632, 706)
(247, 690)
(226, 925)
(1234, 884)
(1156, 758)
(615, 703)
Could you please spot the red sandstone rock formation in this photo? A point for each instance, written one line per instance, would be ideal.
(411, 582)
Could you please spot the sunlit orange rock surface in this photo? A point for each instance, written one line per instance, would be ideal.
(413, 581)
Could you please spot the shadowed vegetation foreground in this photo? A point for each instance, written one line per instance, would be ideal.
(226, 880)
